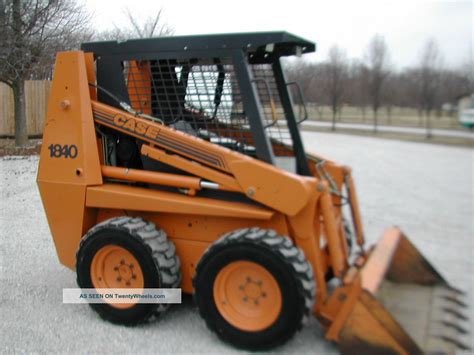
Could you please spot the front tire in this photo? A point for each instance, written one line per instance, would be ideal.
(254, 288)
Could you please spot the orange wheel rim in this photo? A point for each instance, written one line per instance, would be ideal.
(116, 267)
(247, 296)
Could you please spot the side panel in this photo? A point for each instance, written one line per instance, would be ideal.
(192, 234)
(274, 188)
(142, 199)
(67, 218)
(69, 160)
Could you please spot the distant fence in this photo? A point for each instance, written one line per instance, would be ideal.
(36, 101)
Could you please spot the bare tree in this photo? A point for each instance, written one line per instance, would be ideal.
(377, 62)
(467, 71)
(151, 26)
(391, 95)
(430, 76)
(30, 31)
(452, 86)
(357, 84)
(373, 83)
(307, 75)
(334, 74)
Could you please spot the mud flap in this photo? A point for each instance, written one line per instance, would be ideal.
(404, 307)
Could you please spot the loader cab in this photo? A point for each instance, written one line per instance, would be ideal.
(228, 89)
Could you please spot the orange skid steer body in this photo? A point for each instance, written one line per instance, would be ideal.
(250, 238)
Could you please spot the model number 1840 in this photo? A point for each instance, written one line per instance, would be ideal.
(66, 151)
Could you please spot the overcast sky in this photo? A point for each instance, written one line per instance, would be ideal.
(406, 25)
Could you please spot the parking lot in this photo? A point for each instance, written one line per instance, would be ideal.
(425, 189)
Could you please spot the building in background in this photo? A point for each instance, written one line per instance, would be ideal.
(466, 110)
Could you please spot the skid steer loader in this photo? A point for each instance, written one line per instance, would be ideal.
(177, 162)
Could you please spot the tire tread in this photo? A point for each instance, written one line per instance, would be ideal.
(291, 254)
(160, 247)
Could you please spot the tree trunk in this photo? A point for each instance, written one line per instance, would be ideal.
(333, 119)
(420, 117)
(375, 120)
(320, 112)
(389, 114)
(21, 134)
(428, 124)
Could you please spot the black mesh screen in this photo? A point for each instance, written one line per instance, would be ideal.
(202, 98)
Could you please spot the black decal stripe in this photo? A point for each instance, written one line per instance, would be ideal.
(100, 115)
(171, 143)
(105, 115)
(173, 146)
(218, 158)
(214, 159)
(191, 150)
(162, 142)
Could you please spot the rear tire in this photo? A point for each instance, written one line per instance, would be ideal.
(147, 257)
(254, 288)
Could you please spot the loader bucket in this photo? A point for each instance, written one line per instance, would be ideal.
(404, 306)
